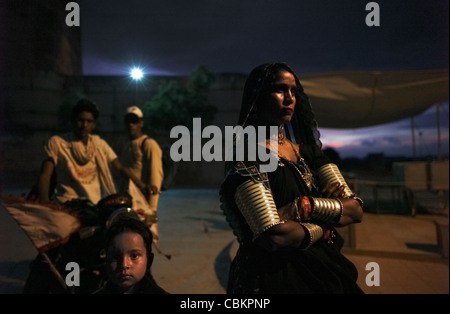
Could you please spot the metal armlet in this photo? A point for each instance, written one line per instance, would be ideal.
(313, 233)
(327, 211)
(255, 201)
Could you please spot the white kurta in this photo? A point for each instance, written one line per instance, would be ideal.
(81, 171)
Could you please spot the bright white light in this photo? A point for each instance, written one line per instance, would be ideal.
(136, 74)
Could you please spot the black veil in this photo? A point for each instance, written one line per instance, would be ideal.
(303, 127)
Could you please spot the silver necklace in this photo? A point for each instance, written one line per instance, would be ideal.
(302, 168)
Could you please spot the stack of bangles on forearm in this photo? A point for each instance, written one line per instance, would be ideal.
(314, 212)
(327, 211)
(313, 233)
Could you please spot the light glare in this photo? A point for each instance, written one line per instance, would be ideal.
(136, 74)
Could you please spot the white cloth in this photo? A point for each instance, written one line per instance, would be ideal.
(81, 170)
(351, 100)
(44, 225)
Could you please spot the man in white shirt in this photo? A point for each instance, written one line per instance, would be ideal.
(142, 156)
(81, 161)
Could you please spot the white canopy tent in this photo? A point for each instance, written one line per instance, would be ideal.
(349, 100)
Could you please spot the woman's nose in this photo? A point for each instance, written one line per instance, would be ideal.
(289, 96)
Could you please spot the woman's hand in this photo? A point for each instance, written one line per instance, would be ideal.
(288, 211)
(298, 210)
(353, 211)
(333, 190)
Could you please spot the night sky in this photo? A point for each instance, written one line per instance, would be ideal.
(172, 37)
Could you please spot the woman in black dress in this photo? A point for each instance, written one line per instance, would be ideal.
(286, 220)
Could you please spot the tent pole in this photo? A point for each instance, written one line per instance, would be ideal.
(438, 124)
(413, 138)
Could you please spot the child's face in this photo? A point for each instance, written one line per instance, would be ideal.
(127, 260)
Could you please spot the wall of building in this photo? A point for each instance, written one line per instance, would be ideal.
(38, 51)
(36, 110)
(41, 79)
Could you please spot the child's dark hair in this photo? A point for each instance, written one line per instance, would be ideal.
(126, 222)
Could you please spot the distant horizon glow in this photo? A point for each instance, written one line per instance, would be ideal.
(393, 139)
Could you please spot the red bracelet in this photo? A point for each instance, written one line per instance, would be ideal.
(305, 207)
